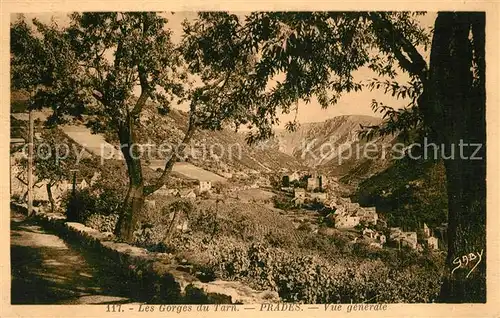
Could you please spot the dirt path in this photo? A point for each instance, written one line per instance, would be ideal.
(46, 270)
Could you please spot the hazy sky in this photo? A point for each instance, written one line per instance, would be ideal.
(355, 103)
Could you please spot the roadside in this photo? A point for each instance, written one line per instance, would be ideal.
(46, 270)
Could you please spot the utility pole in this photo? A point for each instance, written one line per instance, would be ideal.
(30, 163)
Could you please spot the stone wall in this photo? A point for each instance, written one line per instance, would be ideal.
(163, 279)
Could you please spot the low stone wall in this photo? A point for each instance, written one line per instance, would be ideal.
(155, 277)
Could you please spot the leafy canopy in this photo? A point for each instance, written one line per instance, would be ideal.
(282, 57)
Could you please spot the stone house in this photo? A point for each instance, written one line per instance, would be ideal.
(375, 235)
(340, 210)
(352, 207)
(367, 215)
(290, 177)
(299, 195)
(403, 238)
(166, 191)
(346, 221)
(316, 182)
(313, 183)
(432, 243)
(395, 232)
(409, 239)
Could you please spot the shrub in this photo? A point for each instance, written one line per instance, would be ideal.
(96, 208)
(298, 277)
(283, 203)
(204, 220)
(80, 205)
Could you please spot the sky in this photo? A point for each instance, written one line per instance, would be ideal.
(354, 103)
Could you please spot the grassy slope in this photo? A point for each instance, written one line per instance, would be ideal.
(408, 193)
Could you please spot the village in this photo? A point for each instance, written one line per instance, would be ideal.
(348, 216)
(315, 196)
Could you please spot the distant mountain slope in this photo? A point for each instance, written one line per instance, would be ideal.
(338, 129)
(408, 193)
(333, 147)
(218, 151)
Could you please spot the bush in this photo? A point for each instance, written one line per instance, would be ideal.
(80, 205)
(283, 203)
(204, 220)
(303, 278)
(96, 209)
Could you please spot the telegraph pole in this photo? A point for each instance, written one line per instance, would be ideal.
(30, 163)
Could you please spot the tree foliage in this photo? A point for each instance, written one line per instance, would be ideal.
(252, 68)
(287, 56)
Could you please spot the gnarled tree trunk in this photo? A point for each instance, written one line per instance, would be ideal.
(131, 209)
(50, 196)
(454, 107)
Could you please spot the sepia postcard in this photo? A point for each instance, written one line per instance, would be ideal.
(283, 159)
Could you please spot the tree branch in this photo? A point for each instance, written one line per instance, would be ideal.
(143, 77)
(187, 137)
(416, 65)
(173, 158)
(144, 93)
(22, 181)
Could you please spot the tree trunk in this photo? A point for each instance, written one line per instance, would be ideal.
(171, 228)
(130, 213)
(454, 109)
(51, 197)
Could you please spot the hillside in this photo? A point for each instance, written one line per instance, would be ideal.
(223, 151)
(408, 193)
(333, 147)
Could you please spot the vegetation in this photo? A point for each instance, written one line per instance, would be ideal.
(409, 193)
(258, 247)
(54, 163)
(299, 54)
(448, 111)
(283, 202)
